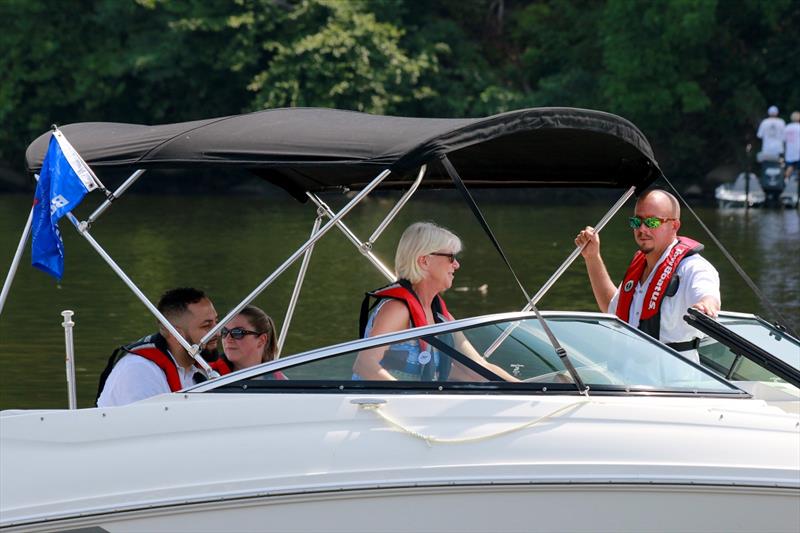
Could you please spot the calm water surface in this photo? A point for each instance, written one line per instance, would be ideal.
(228, 245)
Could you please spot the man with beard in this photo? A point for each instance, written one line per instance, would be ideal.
(158, 363)
(666, 276)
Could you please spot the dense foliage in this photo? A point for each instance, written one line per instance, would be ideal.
(695, 75)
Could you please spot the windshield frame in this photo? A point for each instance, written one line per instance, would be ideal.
(741, 346)
(244, 380)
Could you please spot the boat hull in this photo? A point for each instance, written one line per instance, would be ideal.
(472, 508)
(386, 462)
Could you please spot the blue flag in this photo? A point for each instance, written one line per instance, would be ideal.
(64, 181)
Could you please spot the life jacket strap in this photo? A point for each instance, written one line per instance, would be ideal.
(685, 346)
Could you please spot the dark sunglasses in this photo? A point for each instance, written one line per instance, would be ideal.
(237, 333)
(451, 257)
(650, 222)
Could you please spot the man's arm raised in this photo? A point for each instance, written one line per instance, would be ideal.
(602, 286)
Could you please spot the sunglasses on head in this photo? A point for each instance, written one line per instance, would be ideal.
(451, 257)
(237, 333)
(650, 222)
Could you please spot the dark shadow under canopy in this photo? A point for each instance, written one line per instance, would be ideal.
(314, 149)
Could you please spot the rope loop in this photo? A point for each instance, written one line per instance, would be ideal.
(430, 440)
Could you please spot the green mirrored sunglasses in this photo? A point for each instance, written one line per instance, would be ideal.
(650, 222)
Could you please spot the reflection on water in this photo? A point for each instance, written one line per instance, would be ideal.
(228, 245)
(766, 242)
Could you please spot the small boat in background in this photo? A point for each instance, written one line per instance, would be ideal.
(740, 192)
(789, 197)
(771, 178)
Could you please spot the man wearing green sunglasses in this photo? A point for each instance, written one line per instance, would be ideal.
(666, 276)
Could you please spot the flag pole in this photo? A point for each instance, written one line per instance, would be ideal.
(15, 262)
(62, 140)
(69, 344)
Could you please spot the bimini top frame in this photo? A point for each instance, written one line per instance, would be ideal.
(306, 151)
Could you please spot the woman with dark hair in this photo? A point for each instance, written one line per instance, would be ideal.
(249, 338)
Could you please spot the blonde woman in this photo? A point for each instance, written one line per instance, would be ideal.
(425, 262)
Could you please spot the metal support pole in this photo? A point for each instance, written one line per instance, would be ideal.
(747, 178)
(364, 248)
(396, 209)
(298, 285)
(70, 360)
(737, 361)
(292, 258)
(193, 350)
(119, 192)
(577, 251)
(12, 271)
(567, 262)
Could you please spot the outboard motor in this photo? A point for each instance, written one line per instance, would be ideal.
(771, 177)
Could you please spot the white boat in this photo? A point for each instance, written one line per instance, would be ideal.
(657, 445)
(740, 193)
(790, 196)
(608, 429)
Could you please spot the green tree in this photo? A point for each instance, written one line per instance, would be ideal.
(559, 58)
(656, 58)
(149, 62)
(695, 75)
(336, 54)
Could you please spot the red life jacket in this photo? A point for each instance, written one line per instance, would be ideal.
(222, 365)
(402, 291)
(663, 283)
(164, 362)
(153, 348)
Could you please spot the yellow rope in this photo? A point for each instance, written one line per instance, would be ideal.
(430, 440)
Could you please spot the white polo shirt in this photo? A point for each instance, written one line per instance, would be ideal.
(698, 278)
(135, 378)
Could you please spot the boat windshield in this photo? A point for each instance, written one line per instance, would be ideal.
(762, 334)
(780, 357)
(607, 354)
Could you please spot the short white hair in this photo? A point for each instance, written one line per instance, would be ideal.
(422, 238)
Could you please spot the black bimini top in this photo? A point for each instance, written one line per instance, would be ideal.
(314, 149)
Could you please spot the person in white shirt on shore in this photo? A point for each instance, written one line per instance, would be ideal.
(770, 131)
(791, 138)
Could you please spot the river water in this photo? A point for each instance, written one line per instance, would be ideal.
(227, 245)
